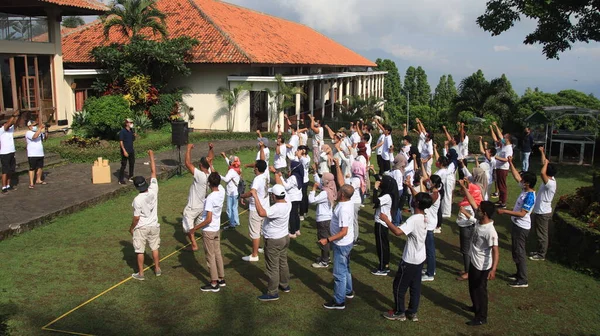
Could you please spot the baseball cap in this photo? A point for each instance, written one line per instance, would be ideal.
(277, 190)
(31, 123)
(129, 120)
(264, 141)
(140, 183)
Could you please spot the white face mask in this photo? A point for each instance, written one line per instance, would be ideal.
(131, 125)
(34, 128)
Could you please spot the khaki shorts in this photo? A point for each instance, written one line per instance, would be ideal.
(255, 225)
(147, 234)
(191, 217)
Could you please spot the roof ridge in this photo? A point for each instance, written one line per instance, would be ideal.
(219, 29)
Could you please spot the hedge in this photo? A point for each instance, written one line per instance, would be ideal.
(575, 244)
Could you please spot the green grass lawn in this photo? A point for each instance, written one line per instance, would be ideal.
(52, 269)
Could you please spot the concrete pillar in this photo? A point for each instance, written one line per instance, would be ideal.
(340, 90)
(360, 87)
(347, 86)
(323, 90)
(298, 97)
(311, 97)
(332, 97)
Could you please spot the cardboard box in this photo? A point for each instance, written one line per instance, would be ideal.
(101, 172)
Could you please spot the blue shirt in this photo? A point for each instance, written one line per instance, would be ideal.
(127, 137)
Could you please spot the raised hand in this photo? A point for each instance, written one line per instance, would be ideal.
(541, 148)
(190, 146)
(480, 138)
(211, 146)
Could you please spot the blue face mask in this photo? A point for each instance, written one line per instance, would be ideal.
(503, 141)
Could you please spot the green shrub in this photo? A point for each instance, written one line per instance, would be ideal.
(575, 243)
(141, 123)
(105, 115)
(161, 111)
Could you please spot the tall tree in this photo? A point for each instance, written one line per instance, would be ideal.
(133, 16)
(73, 21)
(232, 98)
(560, 23)
(423, 89)
(410, 85)
(440, 96)
(451, 88)
(392, 88)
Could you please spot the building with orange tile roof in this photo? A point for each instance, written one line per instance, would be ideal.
(239, 45)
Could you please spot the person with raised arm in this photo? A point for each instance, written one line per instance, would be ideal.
(325, 202)
(145, 228)
(502, 166)
(386, 202)
(318, 137)
(413, 257)
(232, 180)
(7, 151)
(195, 206)
(35, 152)
(255, 221)
(542, 211)
(526, 148)
(426, 148)
(293, 188)
(431, 185)
(280, 160)
(484, 254)
(520, 216)
(379, 146)
(488, 166)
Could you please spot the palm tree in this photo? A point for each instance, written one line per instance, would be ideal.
(232, 98)
(283, 99)
(132, 16)
(73, 21)
(361, 108)
(480, 97)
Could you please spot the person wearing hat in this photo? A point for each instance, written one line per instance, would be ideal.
(7, 151)
(145, 228)
(277, 240)
(263, 148)
(35, 152)
(126, 138)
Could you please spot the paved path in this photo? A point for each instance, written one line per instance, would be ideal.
(70, 188)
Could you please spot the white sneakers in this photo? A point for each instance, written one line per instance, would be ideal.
(250, 258)
(261, 250)
(437, 230)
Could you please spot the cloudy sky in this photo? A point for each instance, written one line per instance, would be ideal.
(442, 37)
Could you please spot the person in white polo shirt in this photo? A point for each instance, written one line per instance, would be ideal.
(211, 233)
(342, 237)
(7, 151)
(325, 201)
(255, 221)
(542, 211)
(35, 152)
(277, 241)
(413, 257)
(145, 228)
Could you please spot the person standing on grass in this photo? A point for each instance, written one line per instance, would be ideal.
(490, 161)
(526, 147)
(520, 216)
(305, 161)
(277, 241)
(379, 150)
(426, 146)
(280, 161)
(413, 257)
(342, 237)
(7, 151)
(542, 211)
(502, 166)
(211, 234)
(483, 253)
(318, 137)
(145, 228)
(397, 173)
(355, 181)
(385, 203)
(431, 186)
(255, 221)
(233, 178)
(35, 152)
(126, 138)
(293, 187)
(325, 201)
(263, 148)
(195, 205)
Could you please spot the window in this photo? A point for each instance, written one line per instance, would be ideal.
(23, 28)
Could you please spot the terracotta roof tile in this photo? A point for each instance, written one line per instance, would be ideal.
(87, 4)
(227, 34)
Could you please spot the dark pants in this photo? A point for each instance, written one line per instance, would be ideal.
(277, 263)
(322, 233)
(304, 204)
(478, 291)
(440, 218)
(541, 222)
(408, 276)
(380, 164)
(461, 175)
(404, 197)
(382, 243)
(295, 217)
(124, 160)
(501, 176)
(466, 233)
(430, 253)
(385, 166)
(519, 254)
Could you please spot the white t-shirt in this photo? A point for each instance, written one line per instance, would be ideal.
(7, 141)
(267, 154)
(483, 239)
(355, 138)
(294, 142)
(324, 209)
(343, 216)
(426, 149)
(198, 190)
(396, 174)
(463, 221)
(369, 150)
(293, 189)
(385, 207)
(323, 164)
(431, 214)
(260, 185)
(490, 173)
(416, 231)
(214, 203)
(276, 223)
(525, 201)
(318, 138)
(543, 200)
(464, 147)
(505, 151)
(145, 206)
(303, 139)
(35, 148)
(280, 161)
(305, 160)
(387, 145)
(355, 183)
(232, 179)
(380, 148)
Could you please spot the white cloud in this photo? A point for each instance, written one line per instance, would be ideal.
(499, 48)
(406, 52)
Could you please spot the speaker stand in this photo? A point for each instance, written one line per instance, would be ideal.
(179, 165)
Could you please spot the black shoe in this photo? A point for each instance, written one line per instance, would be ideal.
(350, 295)
(221, 283)
(475, 323)
(5, 190)
(333, 305)
(122, 182)
(285, 289)
(11, 188)
(210, 288)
